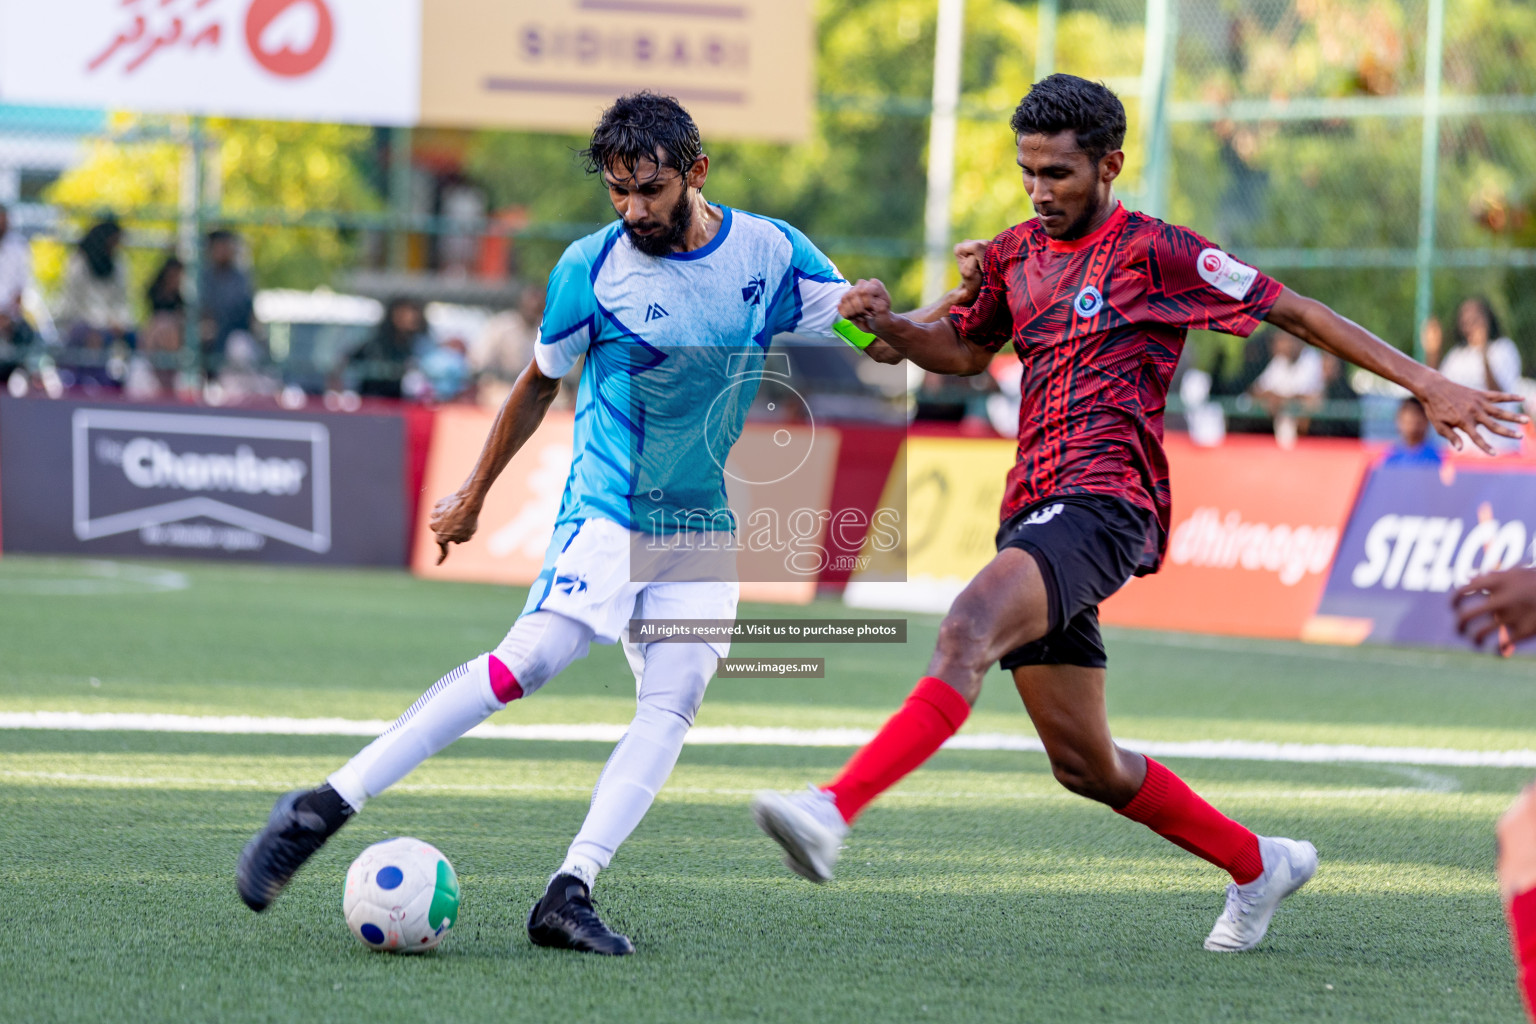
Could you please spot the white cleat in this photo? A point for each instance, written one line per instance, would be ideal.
(1288, 865)
(807, 825)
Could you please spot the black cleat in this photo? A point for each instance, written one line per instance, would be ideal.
(565, 919)
(293, 833)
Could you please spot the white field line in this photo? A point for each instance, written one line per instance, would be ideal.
(730, 735)
(203, 782)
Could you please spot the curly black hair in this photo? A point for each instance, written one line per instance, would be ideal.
(644, 126)
(1066, 103)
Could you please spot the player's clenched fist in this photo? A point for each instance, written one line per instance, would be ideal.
(866, 304)
(968, 256)
(454, 520)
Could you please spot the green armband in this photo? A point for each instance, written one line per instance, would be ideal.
(852, 335)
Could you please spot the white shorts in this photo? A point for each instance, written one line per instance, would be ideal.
(586, 577)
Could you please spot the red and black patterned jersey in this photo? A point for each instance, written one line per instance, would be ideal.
(1099, 323)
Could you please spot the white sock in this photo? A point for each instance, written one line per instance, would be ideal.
(633, 776)
(583, 868)
(457, 703)
(674, 679)
(535, 650)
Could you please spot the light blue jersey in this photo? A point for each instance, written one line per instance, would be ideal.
(675, 347)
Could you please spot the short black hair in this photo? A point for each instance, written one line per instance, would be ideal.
(1412, 403)
(644, 126)
(220, 235)
(1066, 103)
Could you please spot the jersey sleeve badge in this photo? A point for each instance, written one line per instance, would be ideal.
(1224, 273)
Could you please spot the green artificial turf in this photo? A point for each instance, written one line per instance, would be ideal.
(977, 890)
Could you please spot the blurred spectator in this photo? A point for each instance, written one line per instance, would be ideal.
(445, 371)
(15, 278)
(1483, 358)
(93, 309)
(1293, 381)
(377, 367)
(224, 293)
(1342, 401)
(241, 374)
(1412, 447)
(167, 309)
(1255, 358)
(152, 370)
(505, 346)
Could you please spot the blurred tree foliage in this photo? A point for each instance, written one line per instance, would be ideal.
(1352, 184)
(273, 167)
(857, 185)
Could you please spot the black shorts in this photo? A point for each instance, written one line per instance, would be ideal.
(1087, 546)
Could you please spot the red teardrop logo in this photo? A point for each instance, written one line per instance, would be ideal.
(289, 37)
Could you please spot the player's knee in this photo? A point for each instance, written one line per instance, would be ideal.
(539, 646)
(666, 717)
(675, 677)
(963, 643)
(1080, 776)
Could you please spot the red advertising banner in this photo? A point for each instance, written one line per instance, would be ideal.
(1255, 530)
(519, 515)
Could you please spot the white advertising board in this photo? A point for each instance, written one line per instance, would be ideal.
(349, 61)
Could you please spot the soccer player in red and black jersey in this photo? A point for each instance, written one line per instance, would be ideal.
(1096, 299)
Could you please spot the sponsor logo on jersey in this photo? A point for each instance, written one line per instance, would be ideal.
(752, 294)
(1045, 515)
(1224, 273)
(655, 312)
(1088, 302)
(571, 584)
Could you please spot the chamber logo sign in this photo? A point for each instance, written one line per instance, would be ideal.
(197, 481)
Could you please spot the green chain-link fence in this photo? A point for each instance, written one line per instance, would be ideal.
(1378, 154)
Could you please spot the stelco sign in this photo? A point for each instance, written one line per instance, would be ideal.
(1414, 537)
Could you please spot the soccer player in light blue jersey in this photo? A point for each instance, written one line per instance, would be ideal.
(673, 306)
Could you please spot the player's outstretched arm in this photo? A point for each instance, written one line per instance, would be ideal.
(934, 346)
(455, 517)
(968, 256)
(1453, 409)
(1517, 884)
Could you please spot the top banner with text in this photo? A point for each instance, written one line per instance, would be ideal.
(742, 67)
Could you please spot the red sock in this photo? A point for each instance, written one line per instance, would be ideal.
(1174, 811)
(1522, 929)
(932, 714)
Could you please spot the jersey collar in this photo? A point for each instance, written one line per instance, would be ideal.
(714, 243)
(1092, 238)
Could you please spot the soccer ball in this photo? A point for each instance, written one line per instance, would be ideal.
(402, 896)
